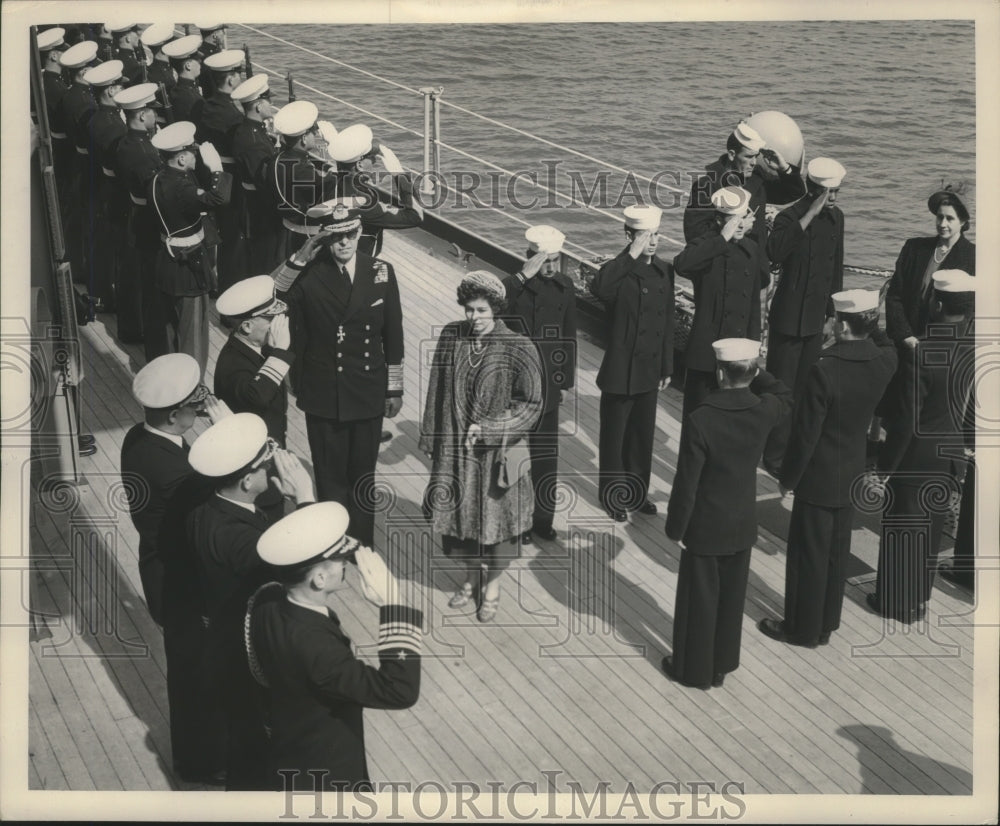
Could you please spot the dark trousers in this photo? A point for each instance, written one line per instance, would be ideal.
(819, 543)
(789, 358)
(129, 292)
(626, 449)
(263, 252)
(708, 616)
(233, 263)
(186, 325)
(697, 385)
(543, 443)
(965, 539)
(344, 456)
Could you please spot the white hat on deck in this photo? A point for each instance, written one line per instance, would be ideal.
(643, 217)
(351, 144)
(295, 118)
(174, 137)
(231, 444)
(51, 39)
(748, 136)
(104, 74)
(249, 298)
(545, 239)
(731, 200)
(736, 349)
(141, 96)
(309, 534)
(251, 89)
(826, 172)
(210, 27)
(78, 56)
(157, 34)
(183, 47)
(954, 281)
(224, 61)
(166, 381)
(119, 27)
(855, 301)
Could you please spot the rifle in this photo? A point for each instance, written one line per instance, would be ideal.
(246, 62)
(168, 107)
(291, 89)
(145, 68)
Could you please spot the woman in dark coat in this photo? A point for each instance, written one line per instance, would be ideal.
(485, 390)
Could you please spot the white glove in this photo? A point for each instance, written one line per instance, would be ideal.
(377, 584)
(210, 157)
(327, 130)
(389, 160)
(216, 409)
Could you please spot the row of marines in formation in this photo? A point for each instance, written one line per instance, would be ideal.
(825, 354)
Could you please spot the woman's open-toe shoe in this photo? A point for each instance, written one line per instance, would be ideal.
(462, 597)
(488, 609)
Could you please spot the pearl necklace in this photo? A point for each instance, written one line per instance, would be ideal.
(481, 352)
(944, 250)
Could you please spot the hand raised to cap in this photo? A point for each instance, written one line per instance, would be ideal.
(278, 335)
(729, 228)
(210, 156)
(389, 160)
(216, 409)
(378, 584)
(534, 264)
(292, 478)
(639, 243)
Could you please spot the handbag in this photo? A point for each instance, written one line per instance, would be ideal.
(513, 462)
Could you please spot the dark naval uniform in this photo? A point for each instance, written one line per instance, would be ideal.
(186, 100)
(183, 274)
(139, 312)
(787, 187)
(75, 110)
(318, 689)
(62, 144)
(922, 460)
(131, 67)
(378, 215)
(297, 182)
(639, 299)
(544, 309)
(218, 119)
(162, 487)
(824, 464)
(348, 345)
(259, 222)
(812, 270)
(713, 510)
(110, 210)
(252, 381)
(224, 537)
(726, 282)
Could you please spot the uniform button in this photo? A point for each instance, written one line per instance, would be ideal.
(366, 341)
(340, 369)
(366, 355)
(645, 290)
(368, 326)
(340, 355)
(367, 367)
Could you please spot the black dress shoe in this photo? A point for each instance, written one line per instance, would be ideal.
(86, 439)
(548, 534)
(718, 680)
(873, 603)
(526, 538)
(217, 778)
(618, 516)
(964, 579)
(386, 436)
(824, 638)
(647, 508)
(775, 629)
(667, 666)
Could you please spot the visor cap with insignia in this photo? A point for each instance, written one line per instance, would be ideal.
(351, 144)
(183, 47)
(295, 118)
(141, 96)
(251, 89)
(231, 444)
(105, 74)
(338, 215)
(80, 55)
(175, 137)
(249, 298)
(157, 34)
(224, 61)
(167, 381)
(308, 535)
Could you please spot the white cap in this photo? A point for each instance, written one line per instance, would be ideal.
(140, 96)
(312, 533)
(118, 28)
(230, 444)
(182, 47)
(104, 74)
(224, 61)
(351, 144)
(250, 89)
(166, 381)
(295, 118)
(174, 137)
(545, 239)
(210, 27)
(731, 200)
(338, 214)
(855, 301)
(250, 297)
(643, 217)
(50, 39)
(826, 172)
(736, 349)
(954, 281)
(157, 34)
(748, 136)
(80, 55)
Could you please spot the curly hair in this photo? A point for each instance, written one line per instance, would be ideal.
(485, 285)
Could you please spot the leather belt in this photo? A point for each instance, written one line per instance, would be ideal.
(109, 172)
(59, 135)
(248, 187)
(82, 150)
(137, 200)
(184, 240)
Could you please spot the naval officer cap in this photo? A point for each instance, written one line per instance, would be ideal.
(307, 536)
(855, 301)
(234, 443)
(104, 74)
(175, 137)
(183, 47)
(251, 89)
(120, 27)
(736, 349)
(295, 118)
(351, 144)
(338, 215)
(749, 137)
(157, 34)
(225, 61)
(250, 298)
(50, 39)
(80, 55)
(954, 281)
(544, 239)
(731, 200)
(643, 217)
(167, 381)
(208, 28)
(140, 96)
(826, 172)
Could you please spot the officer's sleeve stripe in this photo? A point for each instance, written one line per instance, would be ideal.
(274, 369)
(394, 643)
(395, 378)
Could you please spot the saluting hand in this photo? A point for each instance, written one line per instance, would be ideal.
(639, 243)
(389, 160)
(307, 252)
(293, 479)
(729, 228)
(278, 335)
(210, 157)
(534, 264)
(378, 584)
(216, 409)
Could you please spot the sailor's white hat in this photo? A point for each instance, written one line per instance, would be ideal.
(736, 349)
(826, 172)
(749, 137)
(643, 217)
(855, 301)
(545, 239)
(731, 200)
(954, 281)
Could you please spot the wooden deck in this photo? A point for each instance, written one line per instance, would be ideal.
(567, 680)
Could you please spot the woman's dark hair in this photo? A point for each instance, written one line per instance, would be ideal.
(470, 292)
(950, 196)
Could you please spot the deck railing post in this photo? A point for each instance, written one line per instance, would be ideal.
(436, 98)
(427, 185)
(432, 137)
